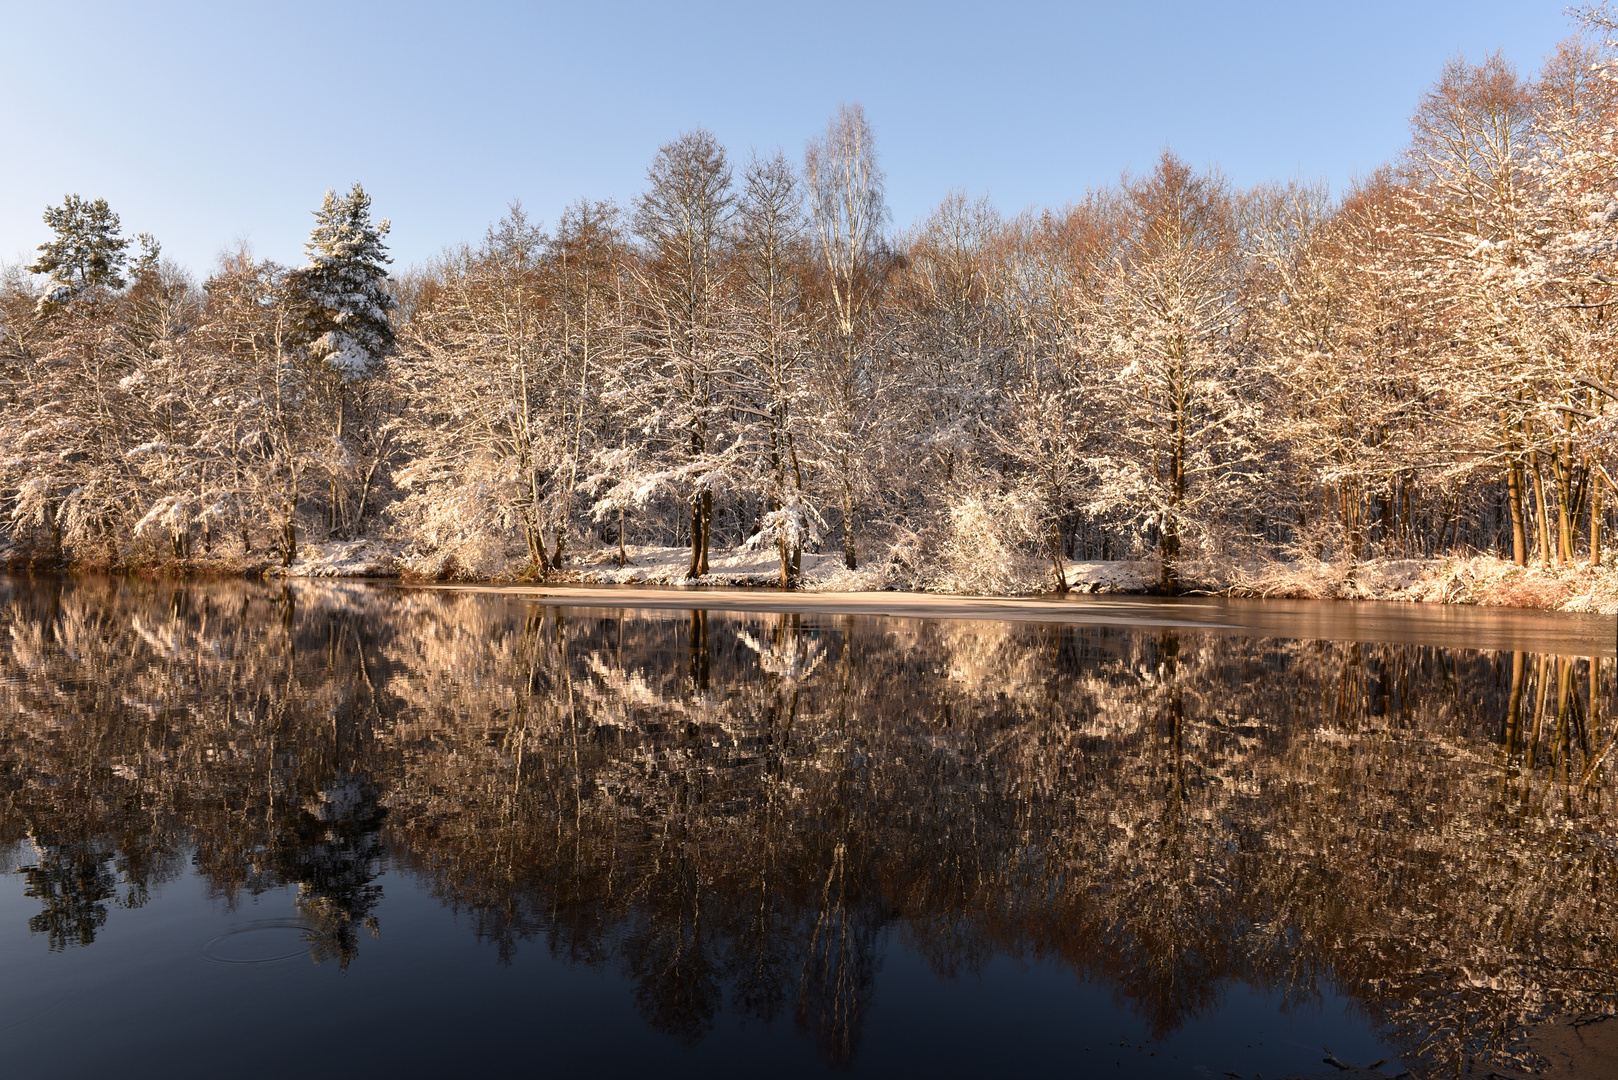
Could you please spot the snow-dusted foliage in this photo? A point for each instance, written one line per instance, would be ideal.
(1220, 386)
(342, 292)
(479, 365)
(986, 546)
(87, 251)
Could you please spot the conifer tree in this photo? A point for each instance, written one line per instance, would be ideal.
(343, 292)
(87, 251)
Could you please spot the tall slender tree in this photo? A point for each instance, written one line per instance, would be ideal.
(848, 209)
(341, 305)
(683, 220)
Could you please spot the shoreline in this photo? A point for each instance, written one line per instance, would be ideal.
(1451, 582)
(1479, 580)
(1368, 621)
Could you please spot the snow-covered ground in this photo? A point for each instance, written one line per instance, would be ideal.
(336, 558)
(741, 566)
(826, 572)
(1108, 576)
(1479, 580)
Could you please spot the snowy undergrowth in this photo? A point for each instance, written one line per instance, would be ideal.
(1482, 580)
(341, 559)
(649, 565)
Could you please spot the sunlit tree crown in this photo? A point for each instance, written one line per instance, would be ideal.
(344, 287)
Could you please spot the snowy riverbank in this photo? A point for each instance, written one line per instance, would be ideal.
(1479, 580)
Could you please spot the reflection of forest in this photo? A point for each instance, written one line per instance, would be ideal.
(733, 808)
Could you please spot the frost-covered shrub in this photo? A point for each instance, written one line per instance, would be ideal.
(456, 531)
(985, 544)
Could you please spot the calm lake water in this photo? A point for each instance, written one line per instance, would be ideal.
(348, 829)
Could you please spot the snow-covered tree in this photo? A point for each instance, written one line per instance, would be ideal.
(844, 182)
(585, 275)
(506, 345)
(1576, 175)
(341, 295)
(771, 345)
(341, 307)
(676, 387)
(1176, 385)
(266, 418)
(88, 250)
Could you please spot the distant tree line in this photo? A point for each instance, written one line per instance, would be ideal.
(1170, 368)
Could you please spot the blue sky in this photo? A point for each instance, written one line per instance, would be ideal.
(210, 123)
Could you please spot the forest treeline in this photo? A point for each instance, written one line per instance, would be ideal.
(748, 353)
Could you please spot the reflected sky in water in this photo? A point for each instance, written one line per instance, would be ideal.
(360, 827)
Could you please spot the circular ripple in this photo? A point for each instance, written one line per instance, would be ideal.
(269, 941)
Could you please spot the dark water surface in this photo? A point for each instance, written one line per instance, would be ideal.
(344, 829)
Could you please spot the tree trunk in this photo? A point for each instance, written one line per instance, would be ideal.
(707, 530)
(1056, 558)
(849, 558)
(693, 569)
(1353, 535)
(336, 527)
(532, 531)
(1168, 543)
(1519, 530)
(1168, 550)
(1544, 516)
(536, 545)
(289, 532)
(1562, 469)
(1595, 519)
(1168, 537)
(1407, 527)
(365, 494)
(791, 556)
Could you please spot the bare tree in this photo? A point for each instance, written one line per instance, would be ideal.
(770, 255)
(1175, 385)
(679, 386)
(848, 210)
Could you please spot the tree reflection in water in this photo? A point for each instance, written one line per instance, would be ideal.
(735, 809)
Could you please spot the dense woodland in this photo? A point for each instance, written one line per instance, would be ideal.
(743, 813)
(749, 353)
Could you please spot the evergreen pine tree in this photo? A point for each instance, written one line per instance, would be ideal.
(342, 292)
(87, 251)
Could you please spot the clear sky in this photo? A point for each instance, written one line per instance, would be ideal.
(209, 123)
